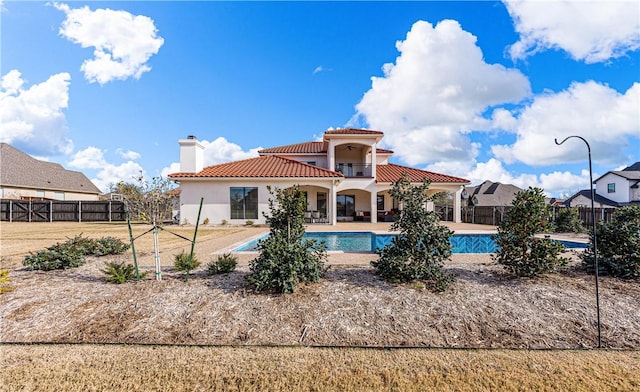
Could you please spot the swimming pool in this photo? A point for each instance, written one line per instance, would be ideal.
(367, 242)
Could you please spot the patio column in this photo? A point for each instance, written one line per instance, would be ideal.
(374, 207)
(333, 201)
(457, 205)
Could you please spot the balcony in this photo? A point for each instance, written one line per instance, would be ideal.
(354, 169)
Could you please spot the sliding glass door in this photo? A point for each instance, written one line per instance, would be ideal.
(345, 205)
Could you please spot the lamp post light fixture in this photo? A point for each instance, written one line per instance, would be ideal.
(593, 223)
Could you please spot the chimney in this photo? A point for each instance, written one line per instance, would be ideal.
(191, 155)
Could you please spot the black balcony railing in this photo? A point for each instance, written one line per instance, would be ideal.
(354, 169)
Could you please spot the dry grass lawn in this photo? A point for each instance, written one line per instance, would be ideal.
(485, 308)
(179, 368)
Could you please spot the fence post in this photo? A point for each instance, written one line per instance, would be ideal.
(109, 211)
(51, 211)
(10, 210)
(29, 210)
(79, 211)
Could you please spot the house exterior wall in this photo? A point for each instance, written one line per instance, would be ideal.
(582, 201)
(216, 204)
(623, 190)
(320, 160)
(16, 193)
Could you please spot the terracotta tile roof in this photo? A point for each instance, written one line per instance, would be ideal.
(261, 167)
(352, 131)
(22, 170)
(298, 148)
(392, 172)
(307, 148)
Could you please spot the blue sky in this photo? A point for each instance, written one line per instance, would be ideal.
(474, 89)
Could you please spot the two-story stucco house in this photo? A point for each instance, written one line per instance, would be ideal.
(615, 188)
(345, 177)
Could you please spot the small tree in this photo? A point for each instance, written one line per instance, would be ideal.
(567, 220)
(286, 258)
(151, 202)
(519, 250)
(618, 245)
(419, 251)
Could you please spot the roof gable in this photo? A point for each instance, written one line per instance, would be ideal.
(22, 170)
(597, 198)
(493, 193)
(392, 173)
(261, 167)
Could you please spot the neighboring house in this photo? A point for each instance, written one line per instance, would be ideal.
(345, 177)
(613, 189)
(24, 177)
(490, 193)
(583, 199)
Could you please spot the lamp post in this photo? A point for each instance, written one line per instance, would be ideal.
(593, 222)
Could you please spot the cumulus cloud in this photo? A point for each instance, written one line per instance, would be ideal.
(123, 43)
(132, 155)
(591, 31)
(600, 114)
(92, 158)
(555, 183)
(32, 118)
(217, 151)
(436, 92)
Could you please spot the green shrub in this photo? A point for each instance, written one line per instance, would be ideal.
(5, 282)
(519, 250)
(120, 272)
(248, 223)
(568, 220)
(59, 256)
(71, 253)
(109, 246)
(286, 258)
(618, 245)
(419, 251)
(186, 262)
(223, 264)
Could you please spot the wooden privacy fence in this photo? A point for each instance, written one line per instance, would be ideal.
(484, 215)
(493, 215)
(61, 211)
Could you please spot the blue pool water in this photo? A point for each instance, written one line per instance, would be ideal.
(368, 242)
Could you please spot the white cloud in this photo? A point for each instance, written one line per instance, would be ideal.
(606, 118)
(122, 42)
(132, 155)
(217, 151)
(92, 158)
(435, 93)
(593, 31)
(555, 183)
(33, 117)
(220, 151)
(89, 158)
(320, 68)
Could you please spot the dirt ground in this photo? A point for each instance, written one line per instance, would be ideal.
(484, 308)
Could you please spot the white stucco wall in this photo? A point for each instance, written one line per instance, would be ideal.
(17, 193)
(216, 203)
(622, 193)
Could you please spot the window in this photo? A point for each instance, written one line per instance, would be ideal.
(312, 163)
(611, 188)
(244, 203)
(380, 203)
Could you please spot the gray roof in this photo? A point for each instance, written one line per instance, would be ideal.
(631, 172)
(21, 170)
(492, 193)
(596, 198)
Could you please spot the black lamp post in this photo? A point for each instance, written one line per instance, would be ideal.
(595, 241)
